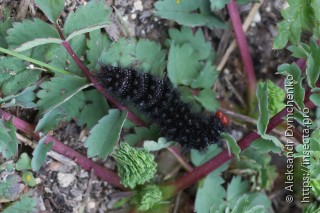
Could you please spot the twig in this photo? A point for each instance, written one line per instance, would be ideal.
(245, 27)
(180, 159)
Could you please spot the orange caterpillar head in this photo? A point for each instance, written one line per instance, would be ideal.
(223, 118)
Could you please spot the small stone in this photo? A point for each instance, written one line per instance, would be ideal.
(65, 179)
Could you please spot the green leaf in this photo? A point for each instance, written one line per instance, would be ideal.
(28, 178)
(27, 203)
(236, 188)
(206, 197)
(52, 8)
(196, 40)
(5, 24)
(142, 133)
(135, 167)
(146, 198)
(294, 80)
(218, 4)
(95, 107)
(10, 187)
(231, 143)
(151, 146)
(207, 98)
(40, 154)
(276, 96)
(315, 98)
(206, 78)
(15, 76)
(298, 16)
(313, 64)
(24, 162)
(184, 14)
(28, 34)
(104, 135)
(94, 15)
(151, 55)
(96, 44)
(24, 99)
(8, 139)
(265, 146)
(263, 120)
(59, 90)
(199, 158)
(143, 55)
(183, 64)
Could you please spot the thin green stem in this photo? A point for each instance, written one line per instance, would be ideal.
(31, 60)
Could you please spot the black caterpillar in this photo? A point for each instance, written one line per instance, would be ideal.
(161, 102)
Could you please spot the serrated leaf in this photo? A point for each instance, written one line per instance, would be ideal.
(196, 40)
(298, 16)
(52, 8)
(184, 14)
(24, 162)
(95, 107)
(28, 34)
(236, 188)
(298, 51)
(92, 16)
(151, 55)
(15, 76)
(207, 98)
(105, 134)
(206, 197)
(8, 139)
(206, 78)
(28, 178)
(142, 55)
(96, 44)
(40, 154)
(183, 64)
(10, 187)
(24, 99)
(151, 146)
(64, 112)
(294, 79)
(59, 90)
(27, 203)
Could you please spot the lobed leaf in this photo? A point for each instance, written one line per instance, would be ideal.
(95, 107)
(10, 187)
(184, 14)
(183, 64)
(52, 8)
(28, 34)
(92, 16)
(27, 203)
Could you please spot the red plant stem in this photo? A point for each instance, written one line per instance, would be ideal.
(244, 49)
(99, 87)
(85, 163)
